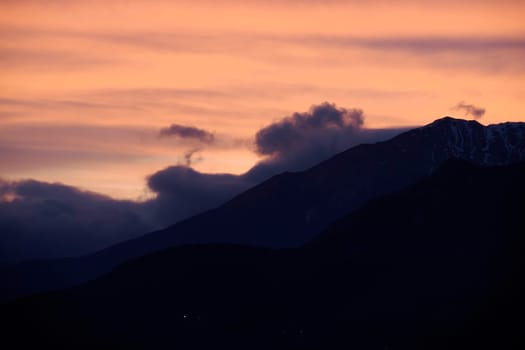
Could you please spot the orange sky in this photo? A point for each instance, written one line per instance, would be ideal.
(86, 85)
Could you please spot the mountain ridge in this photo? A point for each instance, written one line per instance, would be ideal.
(289, 209)
(437, 271)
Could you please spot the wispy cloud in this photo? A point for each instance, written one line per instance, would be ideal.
(199, 41)
(413, 44)
(247, 43)
(51, 59)
(58, 104)
(469, 109)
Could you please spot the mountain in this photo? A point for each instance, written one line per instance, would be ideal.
(289, 209)
(438, 265)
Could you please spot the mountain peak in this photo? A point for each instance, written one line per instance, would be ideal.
(448, 120)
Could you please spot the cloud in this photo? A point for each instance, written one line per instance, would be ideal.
(302, 140)
(293, 143)
(469, 109)
(187, 132)
(295, 131)
(183, 192)
(188, 157)
(415, 44)
(44, 220)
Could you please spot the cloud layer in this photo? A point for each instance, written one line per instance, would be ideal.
(43, 220)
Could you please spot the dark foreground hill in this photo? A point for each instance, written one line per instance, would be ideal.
(291, 208)
(437, 265)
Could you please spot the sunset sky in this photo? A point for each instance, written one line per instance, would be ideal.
(86, 87)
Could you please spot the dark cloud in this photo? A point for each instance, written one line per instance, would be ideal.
(42, 220)
(302, 128)
(187, 132)
(182, 191)
(469, 109)
(304, 139)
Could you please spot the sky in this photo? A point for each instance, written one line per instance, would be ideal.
(102, 95)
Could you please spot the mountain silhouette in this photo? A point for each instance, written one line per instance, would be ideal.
(437, 265)
(289, 209)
